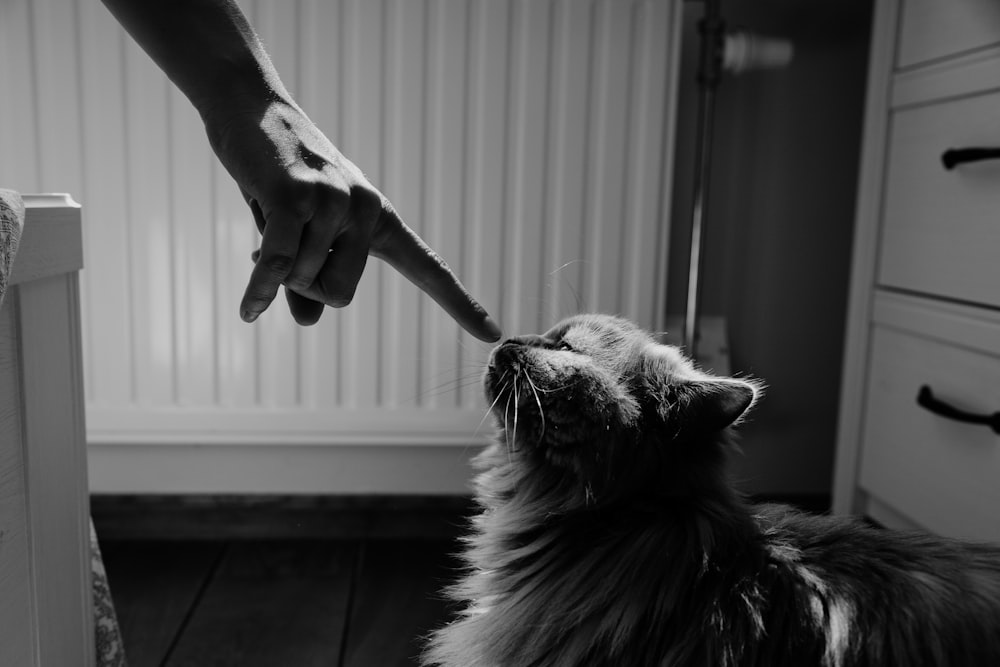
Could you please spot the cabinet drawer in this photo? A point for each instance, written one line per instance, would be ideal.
(941, 228)
(931, 29)
(942, 474)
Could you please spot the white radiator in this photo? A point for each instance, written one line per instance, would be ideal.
(529, 142)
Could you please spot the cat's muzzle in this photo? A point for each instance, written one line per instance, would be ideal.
(511, 351)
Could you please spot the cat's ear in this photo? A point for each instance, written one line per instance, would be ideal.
(716, 403)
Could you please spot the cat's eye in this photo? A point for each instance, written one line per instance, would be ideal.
(564, 346)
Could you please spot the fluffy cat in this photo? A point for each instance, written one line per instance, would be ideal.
(609, 535)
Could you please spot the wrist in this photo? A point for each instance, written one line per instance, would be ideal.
(237, 96)
(237, 85)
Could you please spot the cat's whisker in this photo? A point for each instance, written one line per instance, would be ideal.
(463, 368)
(465, 379)
(448, 387)
(538, 401)
(569, 284)
(560, 388)
(489, 410)
(517, 402)
(506, 428)
(569, 263)
(576, 295)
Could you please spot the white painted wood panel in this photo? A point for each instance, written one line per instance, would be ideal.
(46, 611)
(931, 29)
(952, 78)
(940, 231)
(18, 626)
(56, 468)
(942, 474)
(361, 469)
(530, 143)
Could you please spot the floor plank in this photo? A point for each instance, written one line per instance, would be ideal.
(397, 600)
(275, 602)
(153, 585)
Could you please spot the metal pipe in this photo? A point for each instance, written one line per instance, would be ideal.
(712, 31)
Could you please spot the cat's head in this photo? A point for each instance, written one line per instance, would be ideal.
(599, 403)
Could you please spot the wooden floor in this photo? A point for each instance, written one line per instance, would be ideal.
(276, 581)
(350, 603)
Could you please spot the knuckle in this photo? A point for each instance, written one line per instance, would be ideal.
(387, 228)
(341, 300)
(340, 294)
(336, 200)
(298, 281)
(278, 264)
(297, 198)
(366, 203)
(302, 202)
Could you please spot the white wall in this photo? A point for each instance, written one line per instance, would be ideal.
(530, 143)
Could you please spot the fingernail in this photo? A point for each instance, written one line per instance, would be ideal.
(248, 316)
(492, 329)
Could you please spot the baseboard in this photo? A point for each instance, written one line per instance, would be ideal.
(324, 470)
(281, 469)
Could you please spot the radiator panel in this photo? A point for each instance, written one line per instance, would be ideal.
(528, 142)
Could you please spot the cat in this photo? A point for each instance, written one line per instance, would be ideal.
(609, 536)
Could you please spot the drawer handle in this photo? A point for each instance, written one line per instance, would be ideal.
(926, 400)
(953, 157)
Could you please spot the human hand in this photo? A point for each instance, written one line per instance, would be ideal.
(320, 219)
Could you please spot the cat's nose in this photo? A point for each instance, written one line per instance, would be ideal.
(507, 352)
(504, 354)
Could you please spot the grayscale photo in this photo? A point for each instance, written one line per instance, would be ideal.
(499, 333)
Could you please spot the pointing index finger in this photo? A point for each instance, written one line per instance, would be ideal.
(399, 246)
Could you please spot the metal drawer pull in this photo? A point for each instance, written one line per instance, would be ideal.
(926, 400)
(953, 157)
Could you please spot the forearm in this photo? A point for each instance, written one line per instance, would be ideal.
(206, 47)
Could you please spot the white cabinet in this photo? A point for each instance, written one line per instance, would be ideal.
(917, 444)
(46, 614)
